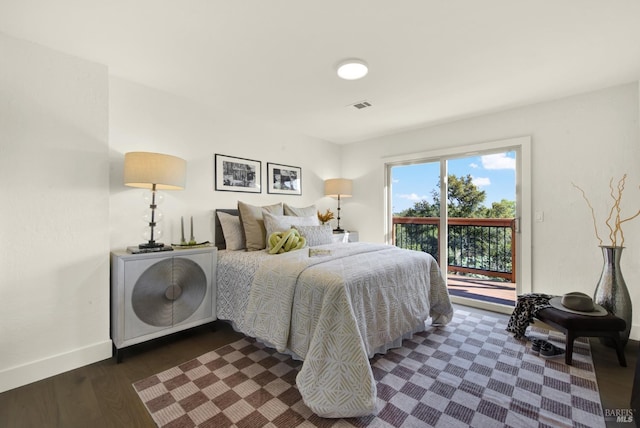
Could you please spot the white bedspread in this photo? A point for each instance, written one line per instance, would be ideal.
(335, 311)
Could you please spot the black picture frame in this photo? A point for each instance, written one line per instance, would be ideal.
(234, 174)
(284, 179)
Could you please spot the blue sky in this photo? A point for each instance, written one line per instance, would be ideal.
(494, 173)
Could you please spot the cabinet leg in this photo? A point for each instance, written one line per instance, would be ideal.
(117, 353)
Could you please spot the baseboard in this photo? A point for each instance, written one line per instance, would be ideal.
(635, 332)
(34, 371)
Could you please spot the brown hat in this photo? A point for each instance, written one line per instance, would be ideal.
(577, 303)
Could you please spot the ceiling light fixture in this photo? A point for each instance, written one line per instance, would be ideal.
(352, 69)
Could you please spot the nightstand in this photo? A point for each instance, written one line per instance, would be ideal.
(155, 294)
(346, 236)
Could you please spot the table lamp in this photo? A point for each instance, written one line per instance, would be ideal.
(154, 171)
(338, 188)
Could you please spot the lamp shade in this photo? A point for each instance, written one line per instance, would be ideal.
(335, 187)
(144, 169)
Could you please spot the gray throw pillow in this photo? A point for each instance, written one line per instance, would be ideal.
(232, 231)
(301, 212)
(316, 235)
(253, 223)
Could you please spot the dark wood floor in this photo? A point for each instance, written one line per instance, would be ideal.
(101, 395)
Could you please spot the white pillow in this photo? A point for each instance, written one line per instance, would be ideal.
(275, 223)
(316, 235)
(232, 231)
(301, 212)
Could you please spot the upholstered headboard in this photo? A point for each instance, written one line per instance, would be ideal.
(219, 236)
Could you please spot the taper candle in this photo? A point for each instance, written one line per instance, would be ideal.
(192, 241)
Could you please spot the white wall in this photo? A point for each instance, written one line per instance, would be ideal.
(586, 139)
(144, 119)
(64, 129)
(54, 219)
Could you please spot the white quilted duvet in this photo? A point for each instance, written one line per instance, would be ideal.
(334, 312)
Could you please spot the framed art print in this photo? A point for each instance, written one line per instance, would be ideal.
(237, 174)
(284, 179)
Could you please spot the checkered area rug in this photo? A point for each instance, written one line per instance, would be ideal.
(468, 373)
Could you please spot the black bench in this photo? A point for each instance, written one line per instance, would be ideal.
(575, 325)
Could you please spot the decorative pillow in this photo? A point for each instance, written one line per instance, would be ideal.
(232, 231)
(283, 242)
(316, 235)
(301, 212)
(274, 223)
(253, 224)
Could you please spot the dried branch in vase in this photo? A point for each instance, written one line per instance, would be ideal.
(614, 220)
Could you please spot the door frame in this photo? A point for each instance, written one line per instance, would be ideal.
(522, 147)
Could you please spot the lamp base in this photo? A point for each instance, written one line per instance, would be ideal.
(338, 230)
(150, 245)
(139, 250)
(153, 245)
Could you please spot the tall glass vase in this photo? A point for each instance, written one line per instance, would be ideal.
(611, 291)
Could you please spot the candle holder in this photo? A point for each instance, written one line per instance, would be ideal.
(182, 240)
(192, 243)
(192, 240)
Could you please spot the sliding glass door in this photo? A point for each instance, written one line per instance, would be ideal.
(464, 210)
(481, 213)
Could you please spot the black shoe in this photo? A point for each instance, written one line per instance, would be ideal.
(536, 344)
(549, 350)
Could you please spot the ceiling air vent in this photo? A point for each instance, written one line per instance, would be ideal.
(360, 105)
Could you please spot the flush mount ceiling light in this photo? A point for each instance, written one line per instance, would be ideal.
(352, 69)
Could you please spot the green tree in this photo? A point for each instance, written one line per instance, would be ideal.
(421, 209)
(502, 209)
(469, 245)
(464, 200)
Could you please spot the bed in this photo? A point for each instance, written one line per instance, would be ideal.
(334, 306)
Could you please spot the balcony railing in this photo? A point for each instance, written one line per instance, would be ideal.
(484, 246)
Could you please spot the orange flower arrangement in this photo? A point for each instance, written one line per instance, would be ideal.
(325, 217)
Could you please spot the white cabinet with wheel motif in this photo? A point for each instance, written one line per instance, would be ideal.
(155, 294)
